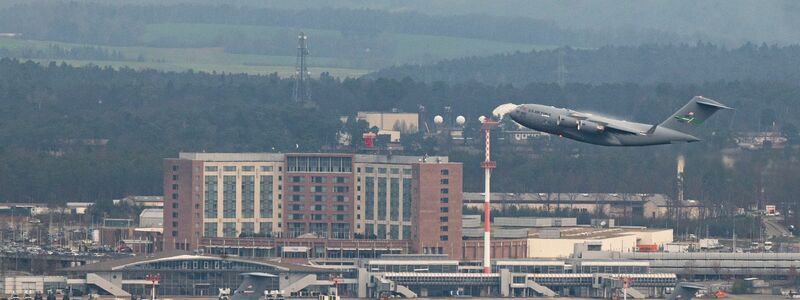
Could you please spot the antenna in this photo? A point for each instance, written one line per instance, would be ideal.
(302, 84)
(561, 72)
(487, 166)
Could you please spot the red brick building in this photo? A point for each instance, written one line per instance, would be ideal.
(268, 197)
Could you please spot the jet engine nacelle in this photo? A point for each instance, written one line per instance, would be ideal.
(590, 127)
(566, 121)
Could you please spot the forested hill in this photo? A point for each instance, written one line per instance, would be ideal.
(701, 62)
(91, 134)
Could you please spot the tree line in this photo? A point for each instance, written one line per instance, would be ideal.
(93, 134)
(649, 63)
(54, 51)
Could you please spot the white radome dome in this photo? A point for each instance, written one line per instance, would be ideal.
(438, 120)
(460, 120)
(482, 118)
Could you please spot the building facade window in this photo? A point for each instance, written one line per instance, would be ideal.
(265, 229)
(248, 197)
(210, 203)
(248, 228)
(229, 229)
(319, 164)
(369, 230)
(394, 199)
(266, 197)
(229, 196)
(382, 198)
(210, 230)
(340, 230)
(406, 199)
(382, 231)
(369, 198)
(320, 228)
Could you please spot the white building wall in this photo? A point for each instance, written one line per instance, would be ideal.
(563, 248)
(29, 284)
(657, 237)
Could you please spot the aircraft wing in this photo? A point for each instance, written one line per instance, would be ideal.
(619, 126)
(614, 124)
(606, 122)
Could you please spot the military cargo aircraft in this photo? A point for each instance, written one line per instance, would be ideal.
(599, 130)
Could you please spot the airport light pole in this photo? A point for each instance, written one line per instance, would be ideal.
(487, 165)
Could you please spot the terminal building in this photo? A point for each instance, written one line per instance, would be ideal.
(183, 273)
(615, 205)
(402, 204)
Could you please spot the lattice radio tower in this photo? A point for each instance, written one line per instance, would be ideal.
(561, 72)
(302, 83)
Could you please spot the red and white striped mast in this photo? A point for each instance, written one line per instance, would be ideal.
(487, 124)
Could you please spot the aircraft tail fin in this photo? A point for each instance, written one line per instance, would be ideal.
(684, 291)
(692, 114)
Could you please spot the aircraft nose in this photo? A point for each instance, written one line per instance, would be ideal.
(515, 113)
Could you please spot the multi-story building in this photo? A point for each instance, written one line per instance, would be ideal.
(313, 196)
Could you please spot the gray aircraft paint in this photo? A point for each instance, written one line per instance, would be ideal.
(253, 286)
(684, 291)
(600, 130)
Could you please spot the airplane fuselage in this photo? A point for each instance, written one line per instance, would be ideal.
(596, 130)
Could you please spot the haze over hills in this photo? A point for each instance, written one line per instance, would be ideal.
(683, 63)
(259, 37)
(730, 22)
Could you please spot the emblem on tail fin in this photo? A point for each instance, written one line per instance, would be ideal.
(689, 118)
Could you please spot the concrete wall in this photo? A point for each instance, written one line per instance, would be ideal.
(563, 248)
(657, 237)
(21, 284)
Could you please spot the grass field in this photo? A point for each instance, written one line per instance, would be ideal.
(199, 59)
(406, 48)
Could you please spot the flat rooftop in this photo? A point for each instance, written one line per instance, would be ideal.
(280, 157)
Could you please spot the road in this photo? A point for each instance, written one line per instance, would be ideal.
(773, 227)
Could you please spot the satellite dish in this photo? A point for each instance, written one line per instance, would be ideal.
(482, 118)
(438, 120)
(460, 120)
